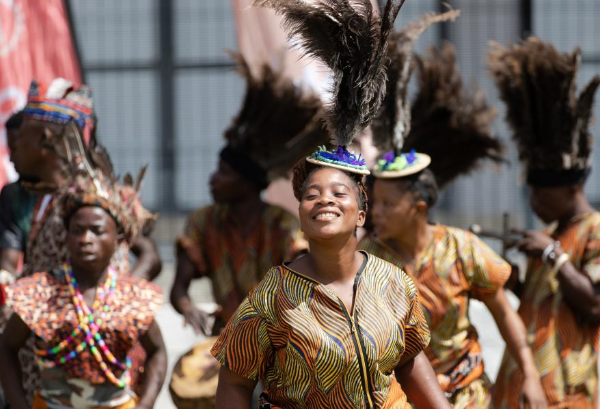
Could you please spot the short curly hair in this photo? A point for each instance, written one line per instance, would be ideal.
(303, 170)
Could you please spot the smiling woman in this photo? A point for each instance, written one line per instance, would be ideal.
(336, 328)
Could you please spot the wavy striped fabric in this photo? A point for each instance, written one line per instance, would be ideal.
(455, 267)
(310, 352)
(565, 347)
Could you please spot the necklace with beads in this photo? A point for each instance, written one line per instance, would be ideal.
(89, 327)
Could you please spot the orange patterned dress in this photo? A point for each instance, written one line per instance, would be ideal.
(297, 336)
(565, 347)
(234, 263)
(455, 267)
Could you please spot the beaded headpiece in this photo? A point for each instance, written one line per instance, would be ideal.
(119, 199)
(351, 39)
(550, 122)
(61, 103)
(393, 121)
(278, 124)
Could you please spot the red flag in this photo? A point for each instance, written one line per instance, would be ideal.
(35, 42)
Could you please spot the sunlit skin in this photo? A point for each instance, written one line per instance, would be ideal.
(92, 238)
(400, 219)
(329, 207)
(245, 207)
(329, 215)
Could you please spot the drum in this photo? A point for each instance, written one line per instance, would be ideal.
(195, 377)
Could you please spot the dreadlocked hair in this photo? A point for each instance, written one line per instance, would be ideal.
(303, 170)
(449, 123)
(278, 123)
(351, 39)
(550, 123)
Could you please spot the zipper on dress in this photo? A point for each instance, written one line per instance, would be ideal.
(364, 372)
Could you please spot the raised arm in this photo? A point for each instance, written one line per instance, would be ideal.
(578, 288)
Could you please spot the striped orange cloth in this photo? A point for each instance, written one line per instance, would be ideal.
(299, 338)
(455, 267)
(564, 345)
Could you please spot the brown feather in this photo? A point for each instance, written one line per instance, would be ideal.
(392, 123)
(449, 123)
(351, 40)
(538, 85)
(279, 123)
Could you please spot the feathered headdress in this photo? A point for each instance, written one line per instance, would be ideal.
(351, 39)
(550, 122)
(278, 124)
(119, 199)
(450, 126)
(392, 123)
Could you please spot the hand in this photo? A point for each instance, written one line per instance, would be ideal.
(533, 242)
(199, 319)
(532, 394)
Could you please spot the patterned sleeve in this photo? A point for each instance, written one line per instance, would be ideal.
(485, 270)
(192, 241)
(416, 330)
(244, 346)
(590, 263)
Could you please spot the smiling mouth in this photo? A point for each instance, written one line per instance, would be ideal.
(327, 216)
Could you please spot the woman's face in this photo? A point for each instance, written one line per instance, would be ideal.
(329, 205)
(394, 209)
(91, 238)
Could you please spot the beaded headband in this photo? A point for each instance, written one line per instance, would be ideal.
(339, 158)
(61, 103)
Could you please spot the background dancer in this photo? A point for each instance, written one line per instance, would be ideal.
(450, 129)
(86, 316)
(560, 305)
(336, 327)
(238, 238)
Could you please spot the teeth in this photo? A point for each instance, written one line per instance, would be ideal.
(326, 216)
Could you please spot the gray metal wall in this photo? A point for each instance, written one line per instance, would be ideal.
(165, 90)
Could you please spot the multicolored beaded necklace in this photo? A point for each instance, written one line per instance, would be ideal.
(90, 327)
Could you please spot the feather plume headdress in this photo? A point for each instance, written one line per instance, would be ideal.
(278, 124)
(351, 39)
(550, 123)
(119, 199)
(450, 125)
